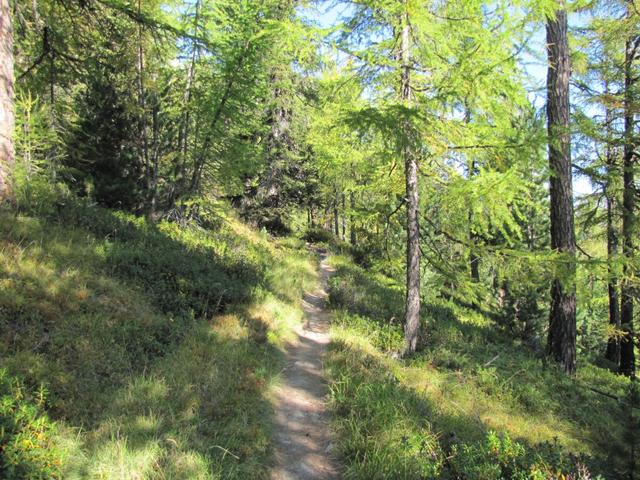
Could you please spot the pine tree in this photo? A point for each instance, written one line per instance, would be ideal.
(412, 312)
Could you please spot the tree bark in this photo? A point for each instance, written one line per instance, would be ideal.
(352, 222)
(562, 318)
(344, 218)
(412, 314)
(143, 146)
(336, 216)
(7, 120)
(474, 260)
(627, 354)
(613, 345)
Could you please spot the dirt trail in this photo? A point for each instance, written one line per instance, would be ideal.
(303, 446)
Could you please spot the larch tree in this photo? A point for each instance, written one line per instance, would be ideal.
(412, 312)
(6, 98)
(627, 346)
(562, 316)
(613, 344)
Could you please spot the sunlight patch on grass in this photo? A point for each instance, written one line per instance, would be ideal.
(157, 344)
(469, 380)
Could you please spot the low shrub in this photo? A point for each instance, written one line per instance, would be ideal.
(189, 270)
(318, 235)
(499, 457)
(27, 449)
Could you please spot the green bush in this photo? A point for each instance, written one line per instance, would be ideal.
(188, 270)
(358, 292)
(318, 235)
(26, 446)
(499, 457)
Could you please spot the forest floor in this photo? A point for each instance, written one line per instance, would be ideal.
(473, 403)
(164, 352)
(302, 440)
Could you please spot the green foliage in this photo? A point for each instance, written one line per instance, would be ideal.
(37, 145)
(499, 457)
(374, 296)
(27, 448)
(318, 235)
(149, 368)
(189, 271)
(430, 416)
(103, 162)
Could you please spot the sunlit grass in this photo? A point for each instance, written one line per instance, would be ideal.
(140, 387)
(469, 379)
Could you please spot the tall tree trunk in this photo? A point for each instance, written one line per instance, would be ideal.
(352, 222)
(562, 318)
(269, 194)
(613, 345)
(143, 147)
(336, 216)
(183, 133)
(7, 121)
(412, 314)
(344, 217)
(474, 260)
(156, 156)
(627, 355)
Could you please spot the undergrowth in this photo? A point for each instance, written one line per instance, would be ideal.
(474, 403)
(135, 349)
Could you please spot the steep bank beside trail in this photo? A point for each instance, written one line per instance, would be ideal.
(142, 350)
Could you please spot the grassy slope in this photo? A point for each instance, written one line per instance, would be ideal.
(157, 344)
(407, 419)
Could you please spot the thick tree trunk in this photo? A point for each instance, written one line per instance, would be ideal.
(627, 354)
(474, 265)
(613, 345)
(562, 318)
(6, 99)
(474, 260)
(412, 315)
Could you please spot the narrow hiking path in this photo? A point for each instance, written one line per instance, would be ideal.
(303, 446)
